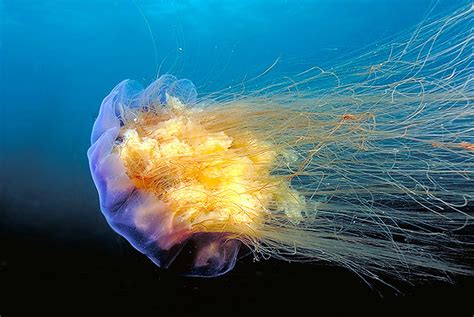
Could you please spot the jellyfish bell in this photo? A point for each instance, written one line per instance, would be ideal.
(129, 202)
(373, 173)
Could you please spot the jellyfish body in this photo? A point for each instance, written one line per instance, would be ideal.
(369, 167)
(136, 214)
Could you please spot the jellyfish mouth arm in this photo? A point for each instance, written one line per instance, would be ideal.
(212, 178)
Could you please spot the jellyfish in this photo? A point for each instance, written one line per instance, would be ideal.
(368, 165)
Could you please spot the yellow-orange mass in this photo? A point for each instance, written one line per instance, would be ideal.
(211, 180)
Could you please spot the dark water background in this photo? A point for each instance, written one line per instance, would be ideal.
(59, 59)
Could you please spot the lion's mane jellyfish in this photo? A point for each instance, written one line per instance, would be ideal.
(368, 165)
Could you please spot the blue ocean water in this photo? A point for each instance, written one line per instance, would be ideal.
(60, 58)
